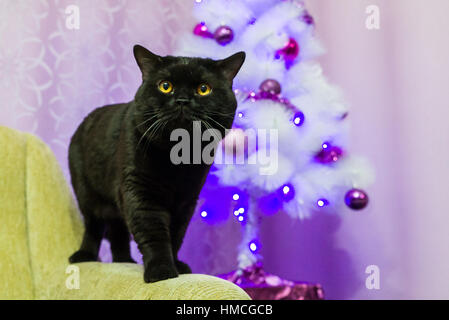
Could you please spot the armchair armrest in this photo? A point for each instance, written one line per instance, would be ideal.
(125, 281)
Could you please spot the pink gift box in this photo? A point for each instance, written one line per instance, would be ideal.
(264, 286)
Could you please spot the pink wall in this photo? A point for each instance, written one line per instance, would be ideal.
(395, 79)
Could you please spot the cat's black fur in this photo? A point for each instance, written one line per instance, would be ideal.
(120, 166)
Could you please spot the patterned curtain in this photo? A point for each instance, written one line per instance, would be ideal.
(53, 72)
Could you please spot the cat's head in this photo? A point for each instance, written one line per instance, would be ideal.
(176, 91)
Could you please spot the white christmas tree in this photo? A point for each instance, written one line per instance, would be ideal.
(282, 90)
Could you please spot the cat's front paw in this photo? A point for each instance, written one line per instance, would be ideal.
(159, 272)
(182, 267)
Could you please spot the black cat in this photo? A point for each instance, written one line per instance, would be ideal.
(122, 173)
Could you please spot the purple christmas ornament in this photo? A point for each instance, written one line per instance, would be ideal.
(328, 153)
(202, 31)
(223, 35)
(356, 199)
(308, 19)
(270, 86)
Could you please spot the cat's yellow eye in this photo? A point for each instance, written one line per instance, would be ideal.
(203, 89)
(165, 86)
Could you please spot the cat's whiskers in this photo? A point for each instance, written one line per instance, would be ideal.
(212, 130)
(158, 125)
(215, 121)
(150, 136)
(155, 129)
(148, 130)
(147, 120)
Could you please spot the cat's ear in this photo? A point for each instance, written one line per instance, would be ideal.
(145, 59)
(231, 65)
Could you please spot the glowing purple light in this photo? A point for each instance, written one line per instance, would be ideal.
(287, 192)
(298, 119)
(241, 218)
(252, 247)
(322, 202)
(240, 114)
(236, 213)
(204, 214)
(241, 210)
(236, 196)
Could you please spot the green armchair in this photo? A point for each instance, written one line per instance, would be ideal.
(40, 227)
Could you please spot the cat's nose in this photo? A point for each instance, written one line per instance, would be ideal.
(182, 101)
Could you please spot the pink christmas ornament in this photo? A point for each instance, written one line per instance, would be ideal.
(289, 52)
(202, 31)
